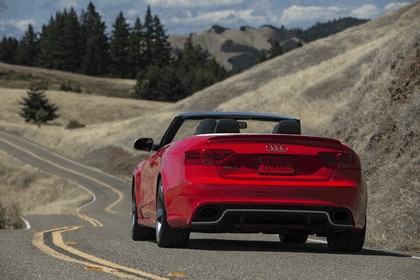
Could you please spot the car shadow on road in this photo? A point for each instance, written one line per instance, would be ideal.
(270, 246)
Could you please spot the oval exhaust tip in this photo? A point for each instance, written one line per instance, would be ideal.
(209, 213)
(340, 216)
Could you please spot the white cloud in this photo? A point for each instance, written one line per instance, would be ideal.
(298, 14)
(365, 12)
(223, 17)
(132, 12)
(393, 5)
(61, 4)
(11, 27)
(192, 3)
(22, 25)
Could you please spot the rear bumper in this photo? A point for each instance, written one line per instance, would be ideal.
(245, 206)
(270, 218)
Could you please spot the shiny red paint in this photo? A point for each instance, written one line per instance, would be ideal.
(229, 169)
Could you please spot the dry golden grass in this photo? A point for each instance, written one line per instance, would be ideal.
(342, 87)
(91, 85)
(87, 109)
(30, 191)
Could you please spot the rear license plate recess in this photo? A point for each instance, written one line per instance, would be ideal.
(276, 165)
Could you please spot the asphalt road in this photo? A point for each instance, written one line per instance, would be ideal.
(96, 244)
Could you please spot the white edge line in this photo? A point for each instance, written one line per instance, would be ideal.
(325, 242)
(27, 224)
(88, 203)
(317, 241)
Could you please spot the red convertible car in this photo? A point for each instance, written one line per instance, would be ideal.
(227, 172)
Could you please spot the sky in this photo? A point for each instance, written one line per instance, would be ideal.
(190, 16)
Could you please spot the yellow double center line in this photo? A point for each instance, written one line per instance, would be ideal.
(90, 220)
(90, 262)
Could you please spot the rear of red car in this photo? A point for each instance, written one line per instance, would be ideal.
(264, 183)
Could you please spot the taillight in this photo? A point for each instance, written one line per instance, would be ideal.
(198, 157)
(205, 156)
(348, 160)
(222, 156)
(342, 160)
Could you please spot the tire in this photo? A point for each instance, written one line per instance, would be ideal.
(346, 241)
(166, 236)
(296, 237)
(138, 232)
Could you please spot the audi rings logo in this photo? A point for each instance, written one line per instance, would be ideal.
(276, 148)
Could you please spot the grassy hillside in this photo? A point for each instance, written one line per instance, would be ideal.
(15, 76)
(84, 108)
(381, 120)
(360, 86)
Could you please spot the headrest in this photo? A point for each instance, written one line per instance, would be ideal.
(227, 126)
(206, 126)
(287, 127)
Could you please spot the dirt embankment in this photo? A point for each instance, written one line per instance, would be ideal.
(382, 122)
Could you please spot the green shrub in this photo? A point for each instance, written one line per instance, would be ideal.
(70, 86)
(37, 108)
(73, 124)
(10, 217)
(11, 75)
(39, 86)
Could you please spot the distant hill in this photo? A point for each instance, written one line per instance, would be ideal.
(240, 49)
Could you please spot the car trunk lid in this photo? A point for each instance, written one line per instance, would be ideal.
(275, 157)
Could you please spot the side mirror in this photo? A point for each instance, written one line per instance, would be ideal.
(145, 144)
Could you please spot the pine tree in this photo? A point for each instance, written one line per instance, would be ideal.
(192, 71)
(196, 69)
(56, 49)
(275, 50)
(59, 46)
(160, 84)
(147, 82)
(149, 38)
(46, 45)
(8, 50)
(69, 43)
(95, 43)
(161, 48)
(27, 52)
(37, 108)
(136, 47)
(120, 47)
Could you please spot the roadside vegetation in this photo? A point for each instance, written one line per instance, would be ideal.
(36, 108)
(25, 190)
(21, 77)
(10, 216)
